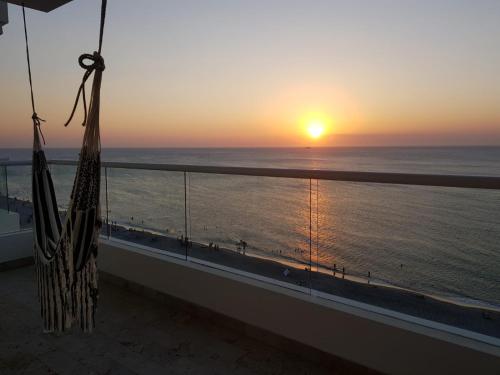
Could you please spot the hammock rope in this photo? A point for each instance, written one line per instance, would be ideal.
(97, 64)
(36, 120)
(66, 254)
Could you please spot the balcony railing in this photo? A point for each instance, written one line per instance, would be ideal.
(400, 241)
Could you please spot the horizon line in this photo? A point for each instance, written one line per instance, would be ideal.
(270, 147)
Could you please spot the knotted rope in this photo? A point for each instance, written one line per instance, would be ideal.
(97, 64)
(37, 121)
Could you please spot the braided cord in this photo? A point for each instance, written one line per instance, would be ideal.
(97, 64)
(37, 121)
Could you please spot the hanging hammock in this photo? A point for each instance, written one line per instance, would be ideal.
(65, 253)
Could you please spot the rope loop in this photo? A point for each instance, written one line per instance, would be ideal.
(97, 61)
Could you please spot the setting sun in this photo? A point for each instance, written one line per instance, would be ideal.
(315, 129)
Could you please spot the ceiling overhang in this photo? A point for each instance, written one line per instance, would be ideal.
(42, 5)
(4, 18)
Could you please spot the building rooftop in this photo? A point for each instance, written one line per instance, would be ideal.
(135, 334)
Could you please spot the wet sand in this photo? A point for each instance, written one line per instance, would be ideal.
(476, 319)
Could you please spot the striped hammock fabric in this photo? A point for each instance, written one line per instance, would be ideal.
(66, 252)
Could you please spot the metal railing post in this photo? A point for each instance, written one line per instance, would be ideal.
(317, 225)
(310, 235)
(107, 204)
(7, 189)
(186, 239)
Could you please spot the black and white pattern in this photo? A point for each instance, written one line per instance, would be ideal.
(65, 254)
(52, 259)
(46, 216)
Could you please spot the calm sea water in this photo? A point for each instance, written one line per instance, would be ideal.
(440, 241)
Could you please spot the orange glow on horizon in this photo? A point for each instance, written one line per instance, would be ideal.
(315, 129)
(316, 125)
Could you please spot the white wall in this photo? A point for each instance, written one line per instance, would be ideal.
(14, 246)
(9, 221)
(389, 344)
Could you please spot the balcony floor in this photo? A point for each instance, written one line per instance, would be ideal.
(134, 335)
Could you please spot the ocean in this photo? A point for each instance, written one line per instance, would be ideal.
(438, 241)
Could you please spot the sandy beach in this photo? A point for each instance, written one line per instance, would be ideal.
(478, 319)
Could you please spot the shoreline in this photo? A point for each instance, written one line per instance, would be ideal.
(297, 266)
(478, 318)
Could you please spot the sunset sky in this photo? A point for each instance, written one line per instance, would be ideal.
(256, 73)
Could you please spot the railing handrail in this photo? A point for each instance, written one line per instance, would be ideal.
(457, 181)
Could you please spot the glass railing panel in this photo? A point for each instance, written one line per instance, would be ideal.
(9, 221)
(147, 208)
(17, 186)
(258, 225)
(63, 177)
(423, 251)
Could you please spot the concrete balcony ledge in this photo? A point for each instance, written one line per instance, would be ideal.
(9, 221)
(371, 337)
(16, 249)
